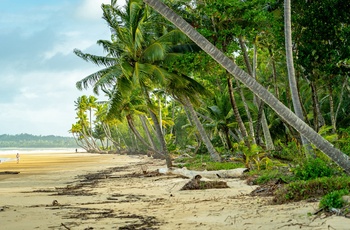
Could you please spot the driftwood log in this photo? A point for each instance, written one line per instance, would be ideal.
(9, 172)
(232, 173)
(195, 184)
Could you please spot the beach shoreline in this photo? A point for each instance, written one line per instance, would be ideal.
(110, 191)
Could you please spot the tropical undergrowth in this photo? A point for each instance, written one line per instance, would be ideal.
(204, 162)
(292, 177)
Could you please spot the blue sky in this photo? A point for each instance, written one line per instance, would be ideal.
(38, 69)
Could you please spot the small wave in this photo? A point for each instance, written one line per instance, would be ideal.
(6, 159)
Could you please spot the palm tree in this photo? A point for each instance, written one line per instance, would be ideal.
(82, 129)
(335, 154)
(134, 56)
(187, 92)
(291, 73)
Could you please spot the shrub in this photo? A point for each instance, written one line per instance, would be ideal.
(301, 190)
(313, 168)
(271, 175)
(334, 199)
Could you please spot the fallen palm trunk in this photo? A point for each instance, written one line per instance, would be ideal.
(231, 173)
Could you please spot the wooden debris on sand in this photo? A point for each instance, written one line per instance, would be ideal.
(9, 172)
(195, 184)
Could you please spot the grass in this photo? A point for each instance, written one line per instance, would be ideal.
(265, 176)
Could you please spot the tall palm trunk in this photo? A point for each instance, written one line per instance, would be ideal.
(262, 121)
(260, 104)
(213, 154)
(340, 98)
(250, 72)
(236, 112)
(246, 108)
(335, 154)
(148, 134)
(318, 118)
(198, 138)
(291, 74)
(158, 129)
(137, 134)
(331, 108)
(274, 73)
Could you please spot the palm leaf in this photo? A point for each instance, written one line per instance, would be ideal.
(155, 52)
(98, 60)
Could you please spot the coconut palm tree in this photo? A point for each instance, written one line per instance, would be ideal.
(291, 73)
(335, 154)
(135, 54)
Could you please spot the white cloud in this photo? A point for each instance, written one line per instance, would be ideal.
(91, 9)
(38, 68)
(69, 41)
(44, 104)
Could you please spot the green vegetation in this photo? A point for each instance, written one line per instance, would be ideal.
(334, 199)
(204, 162)
(167, 97)
(265, 176)
(301, 190)
(32, 141)
(313, 168)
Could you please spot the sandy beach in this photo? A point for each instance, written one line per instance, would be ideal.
(92, 191)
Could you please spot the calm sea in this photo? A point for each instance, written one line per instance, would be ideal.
(14, 151)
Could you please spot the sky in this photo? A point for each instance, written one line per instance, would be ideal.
(38, 69)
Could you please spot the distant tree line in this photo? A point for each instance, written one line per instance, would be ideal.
(29, 140)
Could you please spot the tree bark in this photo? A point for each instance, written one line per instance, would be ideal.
(335, 154)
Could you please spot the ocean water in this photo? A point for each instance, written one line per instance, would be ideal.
(14, 151)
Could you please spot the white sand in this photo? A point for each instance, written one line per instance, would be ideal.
(120, 201)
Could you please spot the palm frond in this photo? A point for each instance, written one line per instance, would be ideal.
(98, 60)
(155, 73)
(155, 52)
(174, 37)
(90, 79)
(112, 48)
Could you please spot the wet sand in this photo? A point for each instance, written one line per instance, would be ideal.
(92, 191)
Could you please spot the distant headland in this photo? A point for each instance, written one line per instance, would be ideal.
(32, 141)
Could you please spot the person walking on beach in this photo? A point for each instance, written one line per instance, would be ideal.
(17, 156)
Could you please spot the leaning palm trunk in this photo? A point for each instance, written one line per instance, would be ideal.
(335, 154)
(249, 116)
(331, 107)
(250, 72)
(291, 74)
(236, 112)
(137, 134)
(198, 139)
(148, 134)
(213, 154)
(318, 118)
(264, 125)
(262, 121)
(159, 133)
